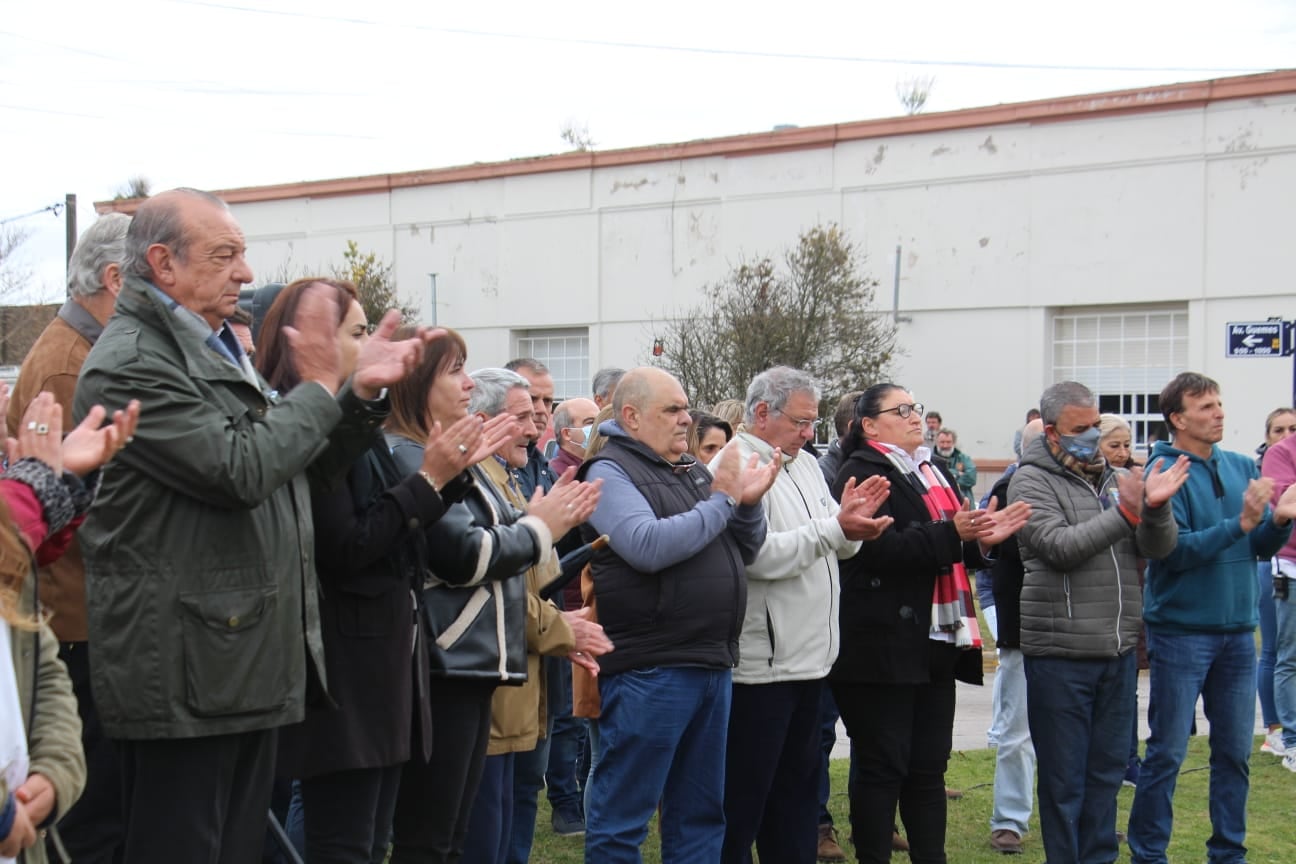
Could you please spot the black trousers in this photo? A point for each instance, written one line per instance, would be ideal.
(901, 736)
(772, 772)
(436, 797)
(348, 815)
(93, 830)
(197, 800)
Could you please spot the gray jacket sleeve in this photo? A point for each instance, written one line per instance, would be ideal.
(1158, 533)
(1049, 535)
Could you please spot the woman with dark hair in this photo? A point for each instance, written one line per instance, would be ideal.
(473, 605)
(347, 753)
(707, 435)
(908, 628)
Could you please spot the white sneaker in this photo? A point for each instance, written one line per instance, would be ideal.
(1289, 762)
(1273, 743)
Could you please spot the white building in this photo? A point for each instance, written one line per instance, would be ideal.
(1106, 238)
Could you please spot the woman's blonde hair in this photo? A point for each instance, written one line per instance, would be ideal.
(1109, 423)
(597, 439)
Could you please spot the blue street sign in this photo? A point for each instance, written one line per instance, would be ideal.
(1271, 338)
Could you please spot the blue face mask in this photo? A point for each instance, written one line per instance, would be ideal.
(1082, 446)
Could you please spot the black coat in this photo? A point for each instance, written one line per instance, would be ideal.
(1006, 577)
(886, 589)
(369, 558)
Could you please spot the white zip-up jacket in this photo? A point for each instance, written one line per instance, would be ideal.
(791, 629)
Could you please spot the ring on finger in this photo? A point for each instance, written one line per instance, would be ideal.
(42, 429)
(463, 449)
(31, 425)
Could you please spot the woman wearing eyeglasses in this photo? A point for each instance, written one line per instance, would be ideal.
(908, 628)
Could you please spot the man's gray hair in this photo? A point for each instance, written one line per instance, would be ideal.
(158, 221)
(103, 243)
(1059, 396)
(491, 389)
(606, 380)
(775, 386)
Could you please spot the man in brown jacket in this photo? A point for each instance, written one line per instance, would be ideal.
(92, 829)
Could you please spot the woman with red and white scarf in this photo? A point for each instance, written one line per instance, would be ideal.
(908, 628)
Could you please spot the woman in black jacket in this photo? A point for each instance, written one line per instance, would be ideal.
(907, 628)
(349, 751)
(473, 606)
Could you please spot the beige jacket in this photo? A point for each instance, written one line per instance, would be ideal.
(518, 714)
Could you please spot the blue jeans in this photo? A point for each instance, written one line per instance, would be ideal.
(1219, 667)
(1267, 662)
(1284, 679)
(595, 754)
(1080, 714)
(491, 824)
(1014, 776)
(663, 735)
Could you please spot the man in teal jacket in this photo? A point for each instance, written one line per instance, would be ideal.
(1200, 609)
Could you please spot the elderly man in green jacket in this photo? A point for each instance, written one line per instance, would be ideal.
(199, 571)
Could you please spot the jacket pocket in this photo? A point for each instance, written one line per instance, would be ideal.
(230, 652)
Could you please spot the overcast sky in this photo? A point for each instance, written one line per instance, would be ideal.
(246, 92)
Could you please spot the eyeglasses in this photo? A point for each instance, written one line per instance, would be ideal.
(905, 410)
(801, 425)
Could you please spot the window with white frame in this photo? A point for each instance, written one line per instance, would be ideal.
(1125, 358)
(565, 352)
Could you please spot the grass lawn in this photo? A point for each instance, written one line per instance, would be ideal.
(1269, 835)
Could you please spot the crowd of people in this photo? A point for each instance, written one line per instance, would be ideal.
(302, 586)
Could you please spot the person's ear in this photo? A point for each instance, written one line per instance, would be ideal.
(112, 279)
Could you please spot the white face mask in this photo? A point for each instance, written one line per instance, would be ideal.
(580, 435)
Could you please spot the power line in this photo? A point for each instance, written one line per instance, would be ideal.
(52, 208)
(731, 52)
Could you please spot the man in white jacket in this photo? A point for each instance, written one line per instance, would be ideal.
(790, 631)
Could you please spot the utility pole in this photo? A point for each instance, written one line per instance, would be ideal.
(70, 217)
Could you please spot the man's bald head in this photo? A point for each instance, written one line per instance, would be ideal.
(652, 408)
(1030, 432)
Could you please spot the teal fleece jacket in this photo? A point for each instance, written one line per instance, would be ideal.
(1208, 584)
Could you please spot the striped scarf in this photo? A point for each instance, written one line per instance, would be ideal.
(953, 617)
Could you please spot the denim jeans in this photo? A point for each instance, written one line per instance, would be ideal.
(491, 824)
(663, 733)
(1219, 667)
(595, 754)
(1284, 679)
(1080, 715)
(1014, 777)
(1267, 662)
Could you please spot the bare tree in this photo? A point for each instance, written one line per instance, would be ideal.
(578, 136)
(914, 92)
(13, 276)
(815, 313)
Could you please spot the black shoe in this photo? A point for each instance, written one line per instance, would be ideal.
(568, 824)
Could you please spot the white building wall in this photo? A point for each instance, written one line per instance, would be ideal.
(998, 227)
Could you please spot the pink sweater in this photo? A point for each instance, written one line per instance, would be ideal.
(1280, 464)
